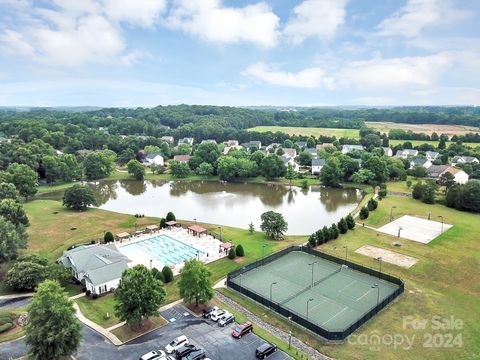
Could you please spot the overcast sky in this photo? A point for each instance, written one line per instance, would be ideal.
(275, 52)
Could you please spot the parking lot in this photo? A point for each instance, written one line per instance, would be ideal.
(215, 340)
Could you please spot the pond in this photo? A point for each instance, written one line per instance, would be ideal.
(232, 204)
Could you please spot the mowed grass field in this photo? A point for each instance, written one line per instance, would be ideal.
(350, 133)
(445, 282)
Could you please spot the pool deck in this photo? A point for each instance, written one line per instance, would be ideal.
(210, 248)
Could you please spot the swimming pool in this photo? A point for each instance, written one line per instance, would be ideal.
(164, 249)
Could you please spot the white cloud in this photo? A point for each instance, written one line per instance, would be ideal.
(318, 18)
(307, 78)
(394, 72)
(14, 43)
(211, 21)
(142, 13)
(417, 15)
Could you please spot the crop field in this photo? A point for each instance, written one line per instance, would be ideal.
(308, 131)
(428, 129)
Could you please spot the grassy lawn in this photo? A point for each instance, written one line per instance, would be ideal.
(450, 130)
(15, 332)
(307, 131)
(96, 310)
(445, 282)
(125, 332)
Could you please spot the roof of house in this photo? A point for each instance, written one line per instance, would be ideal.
(197, 228)
(436, 170)
(467, 159)
(386, 149)
(106, 273)
(318, 162)
(352, 147)
(152, 156)
(432, 153)
(182, 157)
(290, 152)
(453, 170)
(312, 151)
(88, 257)
(418, 161)
(301, 143)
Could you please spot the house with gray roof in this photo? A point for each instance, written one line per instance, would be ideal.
(406, 153)
(312, 151)
(349, 148)
(420, 161)
(301, 144)
(153, 159)
(317, 165)
(187, 140)
(290, 161)
(98, 267)
(431, 155)
(464, 160)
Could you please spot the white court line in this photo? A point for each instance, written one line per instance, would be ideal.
(334, 316)
(361, 297)
(353, 282)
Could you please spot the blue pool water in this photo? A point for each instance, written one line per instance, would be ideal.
(165, 249)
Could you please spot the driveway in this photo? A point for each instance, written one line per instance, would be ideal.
(217, 341)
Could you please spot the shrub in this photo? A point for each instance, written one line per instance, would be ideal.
(88, 292)
(84, 289)
(158, 275)
(326, 234)
(33, 259)
(383, 191)
(170, 217)
(417, 190)
(25, 275)
(108, 237)
(350, 221)
(240, 251)
(320, 237)
(409, 183)
(94, 296)
(312, 240)
(163, 224)
(363, 213)
(168, 274)
(372, 204)
(334, 231)
(342, 226)
(231, 253)
(5, 327)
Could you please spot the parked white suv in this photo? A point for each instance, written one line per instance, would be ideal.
(217, 314)
(154, 355)
(176, 343)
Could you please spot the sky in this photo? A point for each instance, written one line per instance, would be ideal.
(131, 53)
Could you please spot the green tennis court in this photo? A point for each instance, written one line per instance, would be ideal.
(336, 298)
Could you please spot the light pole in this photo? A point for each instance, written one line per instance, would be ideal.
(194, 219)
(399, 229)
(380, 260)
(440, 216)
(391, 212)
(308, 301)
(378, 291)
(290, 333)
(312, 265)
(271, 287)
(263, 253)
(346, 252)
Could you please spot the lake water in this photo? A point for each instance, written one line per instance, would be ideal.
(231, 204)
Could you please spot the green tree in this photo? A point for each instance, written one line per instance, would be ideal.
(179, 169)
(331, 173)
(363, 176)
(25, 275)
(52, 331)
(334, 231)
(78, 197)
(350, 221)
(52, 167)
(240, 251)
(170, 216)
(195, 282)
(205, 169)
(136, 169)
(312, 240)
(447, 180)
(273, 224)
(12, 238)
(320, 237)
(290, 175)
(98, 164)
(8, 191)
(372, 204)
(418, 171)
(326, 234)
(342, 226)
(69, 168)
(167, 274)
(251, 228)
(108, 237)
(417, 190)
(257, 156)
(470, 196)
(371, 140)
(207, 152)
(163, 224)
(13, 212)
(273, 167)
(363, 213)
(159, 275)
(305, 158)
(428, 192)
(138, 296)
(378, 166)
(24, 179)
(232, 254)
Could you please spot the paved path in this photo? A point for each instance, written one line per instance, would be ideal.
(296, 343)
(16, 296)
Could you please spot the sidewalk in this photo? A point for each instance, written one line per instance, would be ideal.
(296, 343)
(16, 296)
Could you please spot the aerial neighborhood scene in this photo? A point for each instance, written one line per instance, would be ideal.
(239, 179)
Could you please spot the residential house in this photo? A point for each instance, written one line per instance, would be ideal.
(459, 176)
(182, 158)
(290, 161)
(168, 139)
(317, 165)
(432, 155)
(252, 144)
(349, 148)
(272, 147)
(420, 161)
(58, 152)
(153, 159)
(406, 153)
(301, 144)
(464, 160)
(208, 141)
(387, 151)
(226, 149)
(98, 267)
(312, 151)
(232, 143)
(324, 145)
(289, 152)
(187, 140)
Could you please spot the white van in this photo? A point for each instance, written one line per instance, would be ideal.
(176, 343)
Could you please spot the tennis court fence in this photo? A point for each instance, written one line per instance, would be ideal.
(329, 334)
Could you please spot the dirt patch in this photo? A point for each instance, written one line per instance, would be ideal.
(391, 257)
(428, 129)
(239, 259)
(196, 309)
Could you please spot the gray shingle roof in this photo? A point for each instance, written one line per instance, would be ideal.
(87, 258)
(106, 273)
(318, 162)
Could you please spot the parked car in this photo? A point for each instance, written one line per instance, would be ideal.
(176, 343)
(217, 314)
(208, 311)
(154, 355)
(226, 319)
(265, 350)
(184, 350)
(241, 330)
(198, 354)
